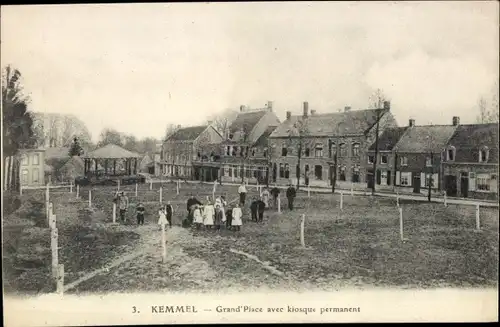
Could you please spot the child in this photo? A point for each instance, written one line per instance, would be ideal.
(170, 212)
(140, 214)
(229, 218)
(236, 217)
(162, 221)
(208, 215)
(198, 219)
(219, 217)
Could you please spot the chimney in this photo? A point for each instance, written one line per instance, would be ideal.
(288, 115)
(270, 105)
(456, 121)
(313, 112)
(242, 108)
(411, 123)
(306, 108)
(346, 109)
(387, 105)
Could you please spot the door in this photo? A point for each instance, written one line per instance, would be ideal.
(369, 179)
(416, 182)
(450, 185)
(464, 185)
(274, 173)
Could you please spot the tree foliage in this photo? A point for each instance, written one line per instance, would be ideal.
(222, 121)
(488, 110)
(110, 136)
(75, 149)
(376, 100)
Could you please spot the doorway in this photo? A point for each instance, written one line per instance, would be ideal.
(464, 184)
(450, 185)
(416, 183)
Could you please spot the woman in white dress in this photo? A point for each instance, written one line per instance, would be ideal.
(197, 217)
(237, 216)
(208, 215)
(162, 221)
(265, 197)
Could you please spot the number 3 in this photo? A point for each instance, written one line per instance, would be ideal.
(135, 309)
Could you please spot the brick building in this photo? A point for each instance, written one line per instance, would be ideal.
(241, 155)
(182, 148)
(470, 162)
(347, 134)
(417, 157)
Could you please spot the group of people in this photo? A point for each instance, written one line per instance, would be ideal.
(212, 215)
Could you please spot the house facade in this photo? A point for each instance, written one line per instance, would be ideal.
(32, 167)
(417, 157)
(181, 149)
(332, 143)
(470, 162)
(385, 159)
(242, 154)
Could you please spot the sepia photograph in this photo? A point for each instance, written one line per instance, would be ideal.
(250, 162)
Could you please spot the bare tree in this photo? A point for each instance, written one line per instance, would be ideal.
(376, 102)
(297, 137)
(57, 130)
(222, 121)
(169, 130)
(483, 110)
(377, 99)
(333, 154)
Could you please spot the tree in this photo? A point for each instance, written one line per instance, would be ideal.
(169, 130)
(75, 149)
(59, 130)
(130, 142)
(483, 111)
(376, 102)
(297, 135)
(377, 99)
(222, 121)
(18, 132)
(488, 112)
(110, 136)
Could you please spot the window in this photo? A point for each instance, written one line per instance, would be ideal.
(355, 174)
(483, 182)
(343, 150)
(36, 159)
(450, 153)
(228, 150)
(405, 179)
(432, 179)
(229, 171)
(282, 171)
(306, 174)
(284, 151)
(234, 151)
(24, 160)
(342, 173)
(318, 172)
(371, 159)
(355, 150)
(35, 175)
(25, 176)
(318, 150)
(307, 152)
(483, 154)
(383, 159)
(287, 171)
(253, 152)
(428, 162)
(403, 161)
(332, 148)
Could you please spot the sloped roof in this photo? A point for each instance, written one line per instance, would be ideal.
(187, 133)
(75, 164)
(468, 139)
(58, 152)
(424, 139)
(111, 151)
(245, 121)
(353, 122)
(263, 140)
(389, 138)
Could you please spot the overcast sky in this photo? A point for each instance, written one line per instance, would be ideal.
(138, 67)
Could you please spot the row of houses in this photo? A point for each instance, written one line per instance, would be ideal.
(312, 148)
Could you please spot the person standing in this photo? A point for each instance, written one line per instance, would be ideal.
(253, 210)
(290, 195)
(140, 214)
(237, 217)
(123, 205)
(219, 217)
(191, 202)
(265, 197)
(208, 215)
(229, 218)
(170, 213)
(242, 190)
(275, 192)
(261, 207)
(198, 218)
(162, 220)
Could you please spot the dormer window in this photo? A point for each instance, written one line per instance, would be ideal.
(284, 151)
(450, 153)
(484, 154)
(307, 152)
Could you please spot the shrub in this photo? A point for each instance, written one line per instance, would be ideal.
(11, 203)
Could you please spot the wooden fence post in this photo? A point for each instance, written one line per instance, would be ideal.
(118, 185)
(445, 202)
(478, 225)
(55, 254)
(302, 241)
(341, 200)
(352, 189)
(308, 191)
(136, 189)
(77, 191)
(71, 187)
(114, 213)
(151, 185)
(163, 244)
(178, 187)
(279, 204)
(47, 202)
(161, 194)
(90, 198)
(401, 224)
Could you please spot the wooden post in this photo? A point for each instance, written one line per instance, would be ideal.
(352, 189)
(118, 184)
(308, 191)
(114, 213)
(341, 200)
(47, 201)
(213, 190)
(51, 209)
(177, 187)
(77, 191)
(71, 187)
(401, 223)
(445, 202)
(53, 247)
(60, 279)
(302, 242)
(135, 189)
(150, 185)
(20, 190)
(279, 204)
(161, 194)
(90, 198)
(397, 201)
(478, 225)
(163, 244)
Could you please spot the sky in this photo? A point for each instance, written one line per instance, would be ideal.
(139, 67)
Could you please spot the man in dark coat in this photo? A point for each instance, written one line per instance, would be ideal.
(170, 212)
(190, 203)
(229, 217)
(140, 214)
(275, 192)
(257, 208)
(290, 195)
